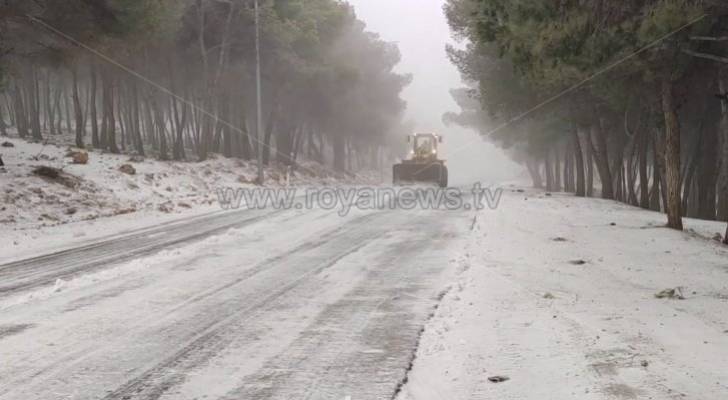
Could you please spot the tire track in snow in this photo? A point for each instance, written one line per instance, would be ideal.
(176, 318)
(215, 336)
(44, 270)
(362, 345)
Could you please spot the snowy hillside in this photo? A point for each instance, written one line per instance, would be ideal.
(110, 185)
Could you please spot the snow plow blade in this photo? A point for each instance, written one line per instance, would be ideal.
(435, 173)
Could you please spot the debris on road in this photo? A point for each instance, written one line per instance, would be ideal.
(498, 378)
(674, 294)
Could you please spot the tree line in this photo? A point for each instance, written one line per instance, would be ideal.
(619, 98)
(176, 79)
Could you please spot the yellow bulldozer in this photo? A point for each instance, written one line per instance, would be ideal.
(424, 164)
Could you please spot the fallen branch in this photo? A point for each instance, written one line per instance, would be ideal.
(57, 176)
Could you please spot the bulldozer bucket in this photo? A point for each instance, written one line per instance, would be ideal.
(435, 173)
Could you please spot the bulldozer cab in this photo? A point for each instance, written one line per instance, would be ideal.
(425, 146)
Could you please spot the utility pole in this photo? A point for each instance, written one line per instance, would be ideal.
(259, 113)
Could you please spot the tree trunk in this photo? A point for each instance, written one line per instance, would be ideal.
(34, 101)
(557, 170)
(110, 134)
(227, 132)
(630, 172)
(567, 175)
(149, 126)
(21, 119)
(3, 127)
(135, 127)
(50, 116)
(92, 103)
(67, 109)
(178, 151)
(245, 147)
(708, 175)
(77, 108)
(688, 187)
(723, 139)
(285, 144)
(533, 170)
(57, 110)
(339, 153)
(549, 170)
(691, 185)
(269, 126)
(599, 152)
(644, 177)
(657, 168)
(589, 165)
(672, 156)
(159, 124)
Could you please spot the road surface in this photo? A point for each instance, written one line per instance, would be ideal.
(239, 305)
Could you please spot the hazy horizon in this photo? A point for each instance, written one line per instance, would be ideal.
(422, 38)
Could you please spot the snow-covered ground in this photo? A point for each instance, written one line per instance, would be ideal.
(557, 294)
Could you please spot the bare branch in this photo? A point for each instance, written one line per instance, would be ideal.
(709, 38)
(706, 56)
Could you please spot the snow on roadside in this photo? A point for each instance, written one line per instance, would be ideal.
(557, 294)
(37, 213)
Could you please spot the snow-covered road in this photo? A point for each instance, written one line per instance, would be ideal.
(554, 292)
(241, 305)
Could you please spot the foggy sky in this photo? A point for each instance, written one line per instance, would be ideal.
(420, 29)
